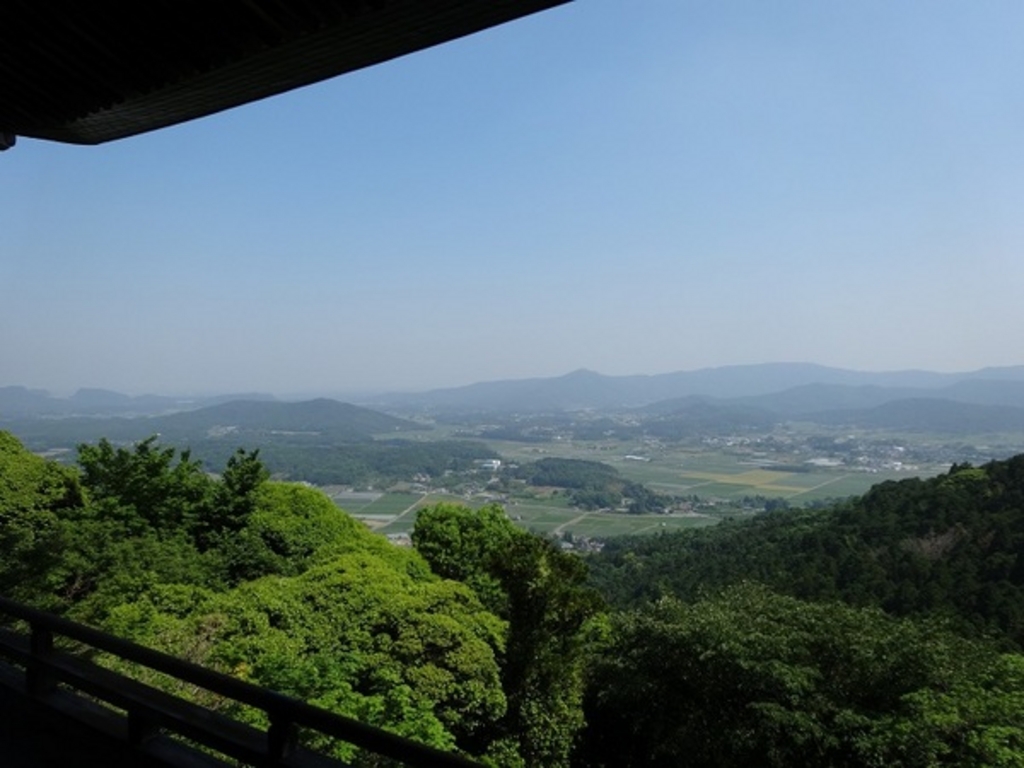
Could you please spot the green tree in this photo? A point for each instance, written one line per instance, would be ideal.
(34, 494)
(361, 635)
(464, 545)
(288, 528)
(754, 678)
(234, 499)
(143, 487)
(542, 593)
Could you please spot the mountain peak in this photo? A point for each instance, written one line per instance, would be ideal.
(583, 373)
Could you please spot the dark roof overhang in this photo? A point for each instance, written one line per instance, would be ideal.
(90, 72)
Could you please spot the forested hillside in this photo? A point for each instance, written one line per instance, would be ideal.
(489, 640)
(749, 677)
(951, 546)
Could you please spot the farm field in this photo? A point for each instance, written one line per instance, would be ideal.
(555, 520)
(378, 510)
(729, 475)
(393, 513)
(404, 517)
(737, 481)
(726, 475)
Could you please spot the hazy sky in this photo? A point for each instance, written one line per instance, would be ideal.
(631, 187)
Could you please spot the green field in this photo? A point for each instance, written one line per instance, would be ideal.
(396, 513)
(351, 501)
(721, 474)
(380, 510)
(733, 477)
(554, 520)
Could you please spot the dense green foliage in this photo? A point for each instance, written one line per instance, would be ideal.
(950, 545)
(34, 494)
(490, 640)
(541, 593)
(371, 635)
(753, 678)
(268, 581)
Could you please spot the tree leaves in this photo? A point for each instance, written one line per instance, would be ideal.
(542, 593)
(750, 677)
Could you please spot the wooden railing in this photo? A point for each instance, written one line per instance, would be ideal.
(151, 712)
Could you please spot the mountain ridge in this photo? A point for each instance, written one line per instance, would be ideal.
(787, 389)
(585, 389)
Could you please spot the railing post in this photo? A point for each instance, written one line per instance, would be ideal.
(38, 680)
(282, 737)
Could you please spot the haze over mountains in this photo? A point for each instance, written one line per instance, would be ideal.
(987, 400)
(242, 422)
(787, 388)
(19, 402)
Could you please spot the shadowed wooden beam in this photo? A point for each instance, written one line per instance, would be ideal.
(86, 73)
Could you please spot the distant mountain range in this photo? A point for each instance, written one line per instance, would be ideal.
(785, 388)
(241, 422)
(20, 402)
(987, 400)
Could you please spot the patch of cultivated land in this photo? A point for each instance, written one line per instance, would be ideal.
(712, 473)
(552, 518)
(352, 502)
(724, 475)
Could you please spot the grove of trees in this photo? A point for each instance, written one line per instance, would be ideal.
(883, 631)
(593, 485)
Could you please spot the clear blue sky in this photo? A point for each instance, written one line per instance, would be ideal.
(631, 187)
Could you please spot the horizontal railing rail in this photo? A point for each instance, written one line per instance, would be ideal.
(150, 710)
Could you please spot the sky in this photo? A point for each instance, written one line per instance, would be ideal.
(628, 187)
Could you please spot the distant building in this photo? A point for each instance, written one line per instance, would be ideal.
(490, 465)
